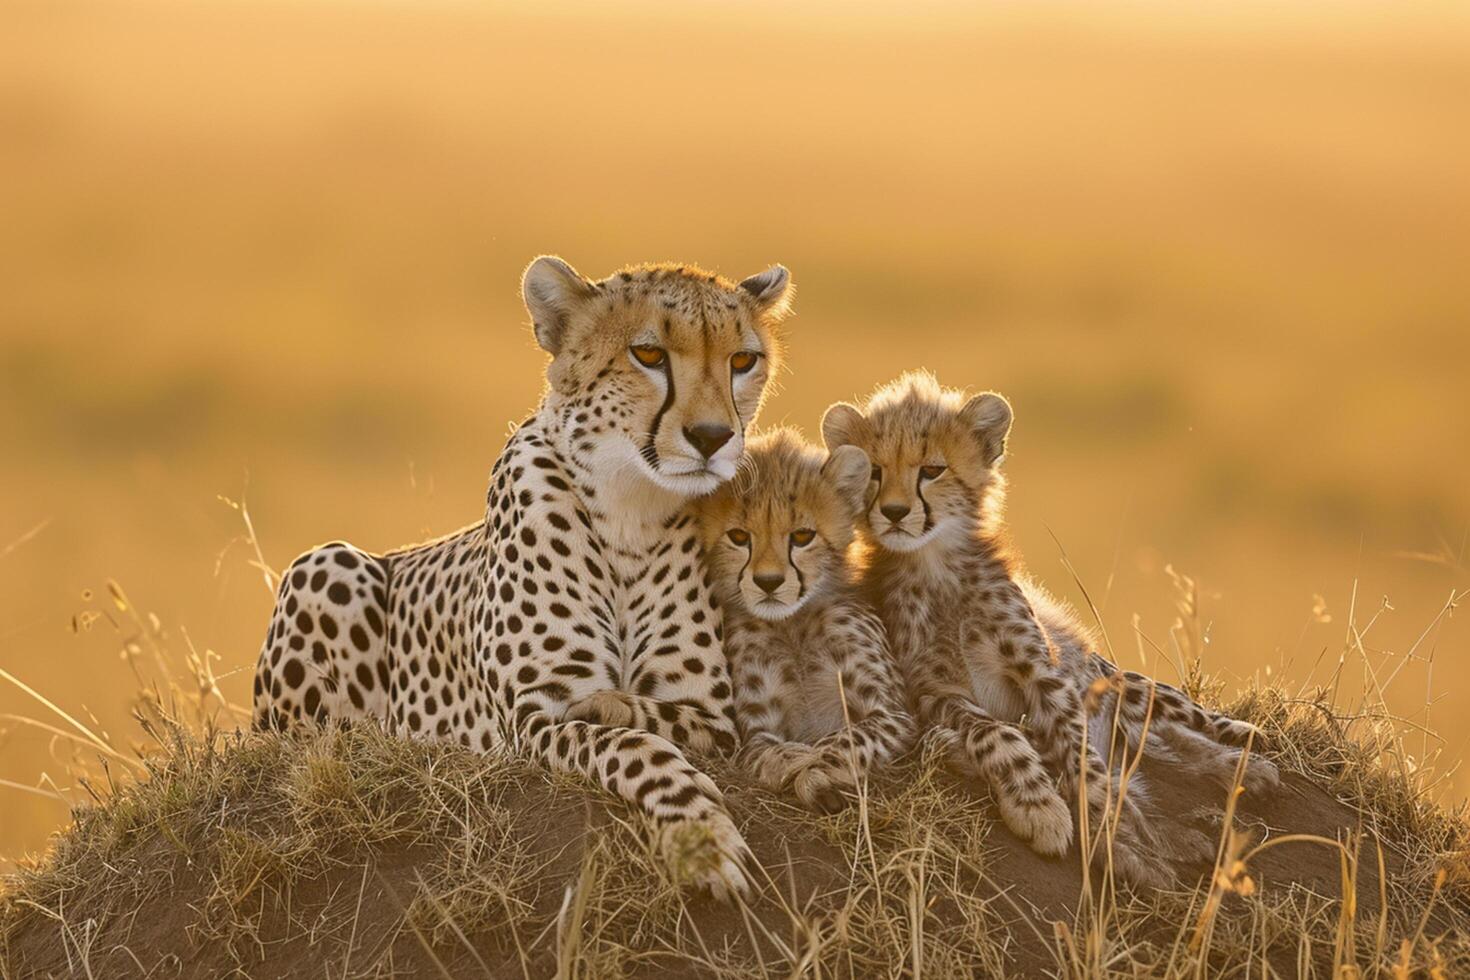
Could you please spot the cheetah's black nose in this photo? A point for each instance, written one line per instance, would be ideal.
(895, 512)
(708, 437)
(769, 582)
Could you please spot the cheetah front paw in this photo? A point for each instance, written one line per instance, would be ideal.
(603, 708)
(1261, 775)
(1138, 866)
(775, 765)
(823, 785)
(1234, 732)
(708, 853)
(1140, 849)
(1191, 845)
(1045, 822)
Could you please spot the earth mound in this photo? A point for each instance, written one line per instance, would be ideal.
(352, 854)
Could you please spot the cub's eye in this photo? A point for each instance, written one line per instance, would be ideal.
(648, 356)
(738, 536)
(743, 361)
(877, 473)
(802, 537)
(932, 472)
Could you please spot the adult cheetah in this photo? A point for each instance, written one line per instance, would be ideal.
(575, 623)
(982, 648)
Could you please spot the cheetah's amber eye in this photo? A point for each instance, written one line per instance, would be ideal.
(742, 361)
(647, 355)
(932, 472)
(738, 536)
(802, 537)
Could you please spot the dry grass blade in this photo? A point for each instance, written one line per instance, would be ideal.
(50, 794)
(84, 733)
(448, 920)
(25, 538)
(428, 947)
(570, 919)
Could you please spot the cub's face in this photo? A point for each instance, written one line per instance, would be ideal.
(777, 535)
(934, 453)
(659, 370)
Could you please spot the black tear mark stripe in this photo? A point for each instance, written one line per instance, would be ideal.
(919, 490)
(735, 405)
(650, 450)
(791, 560)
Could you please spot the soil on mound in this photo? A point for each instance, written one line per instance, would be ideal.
(352, 855)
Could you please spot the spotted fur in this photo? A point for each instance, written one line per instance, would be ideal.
(575, 623)
(984, 651)
(816, 696)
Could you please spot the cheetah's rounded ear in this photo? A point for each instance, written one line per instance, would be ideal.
(843, 425)
(552, 290)
(987, 417)
(849, 470)
(772, 291)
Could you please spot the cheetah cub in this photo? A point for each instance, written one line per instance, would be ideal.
(993, 661)
(816, 697)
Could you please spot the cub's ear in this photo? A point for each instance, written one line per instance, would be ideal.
(552, 291)
(843, 425)
(849, 470)
(771, 290)
(987, 418)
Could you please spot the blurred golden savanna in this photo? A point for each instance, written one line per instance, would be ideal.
(1214, 253)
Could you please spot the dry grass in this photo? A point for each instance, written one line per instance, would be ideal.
(212, 852)
(1214, 253)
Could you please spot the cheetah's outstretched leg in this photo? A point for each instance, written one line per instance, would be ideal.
(1058, 724)
(693, 831)
(977, 743)
(1001, 754)
(1203, 740)
(694, 726)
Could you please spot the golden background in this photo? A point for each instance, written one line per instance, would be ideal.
(1216, 254)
